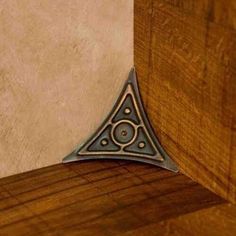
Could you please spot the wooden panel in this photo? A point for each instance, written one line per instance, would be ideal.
(186, 66)
(62, 65)
(217, 221)
(108, 198)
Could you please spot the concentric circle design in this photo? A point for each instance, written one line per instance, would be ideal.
(124, 132)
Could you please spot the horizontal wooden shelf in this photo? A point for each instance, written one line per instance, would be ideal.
(110, 198)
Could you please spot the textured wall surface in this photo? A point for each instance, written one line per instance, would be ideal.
(62, 65)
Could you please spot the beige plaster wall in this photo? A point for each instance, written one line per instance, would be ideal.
(62, 65)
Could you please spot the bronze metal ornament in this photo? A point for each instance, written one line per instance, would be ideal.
(126, 134)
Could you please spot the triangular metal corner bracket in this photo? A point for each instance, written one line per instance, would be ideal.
(126, 134)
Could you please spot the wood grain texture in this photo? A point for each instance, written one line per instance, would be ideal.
(185, 56)
(109, 198)
(217, 221)
(62, 66)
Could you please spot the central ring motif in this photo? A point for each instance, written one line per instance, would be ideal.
(124, 132)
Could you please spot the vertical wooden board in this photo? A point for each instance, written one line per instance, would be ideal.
(142, 42)
(62, 65)
(191, 97)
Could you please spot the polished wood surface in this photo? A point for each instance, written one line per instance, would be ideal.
(217, 221)
(185, 56)
(110, 198)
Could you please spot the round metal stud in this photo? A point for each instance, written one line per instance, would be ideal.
(141, 145)
(127, 110)
(104, 142)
